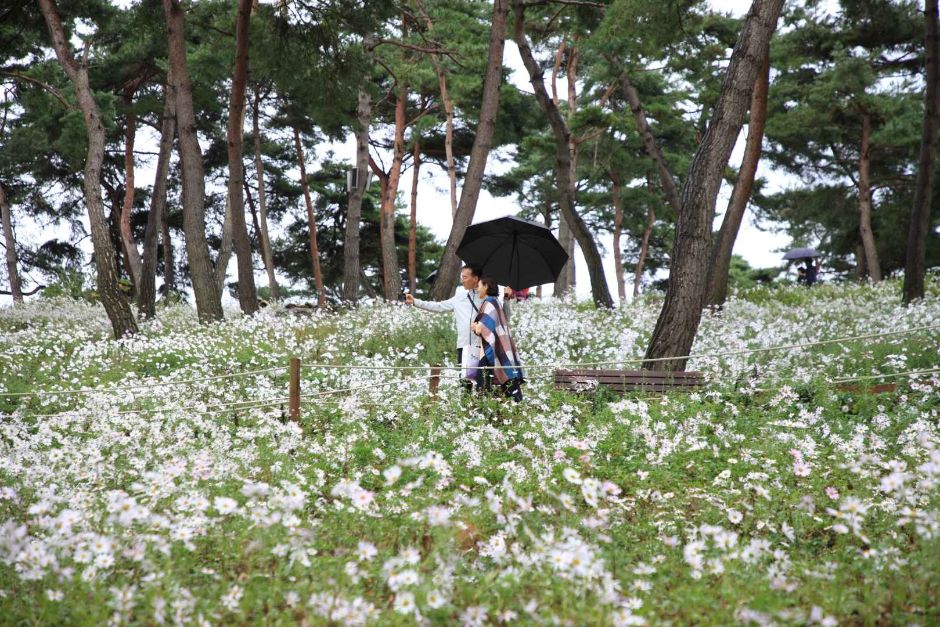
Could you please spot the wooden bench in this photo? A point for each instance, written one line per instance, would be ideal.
(627, 380)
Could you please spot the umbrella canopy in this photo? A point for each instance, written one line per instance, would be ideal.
(801, 253)
(516, 252)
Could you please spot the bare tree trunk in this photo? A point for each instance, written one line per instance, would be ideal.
(225, 248)
(391, 277)
(720, 265)
(311, 222)
(449, 112)
(649, 143)
(563, 175)
(413, 222)
(861, 264)
(685, 296)
(864, 202)
(565, 237)
(266, 253)
(131, 256)
(169, 258)
(351, 265)
(644, 250)
(572, 79)
(615, 194)
(915, 263)
(115, 304)
(147, 291)
(15, 290)
(450, 264)
(247, 292)
(205, 288)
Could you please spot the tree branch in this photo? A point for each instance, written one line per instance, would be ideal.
(46, 86)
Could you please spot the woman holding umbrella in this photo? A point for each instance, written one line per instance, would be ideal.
(498, 351)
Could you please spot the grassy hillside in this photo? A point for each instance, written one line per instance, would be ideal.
(146, 483)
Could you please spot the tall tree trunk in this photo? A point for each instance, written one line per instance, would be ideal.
(247, 292)
(115, 304)
(864, 202)
(720, 265)
(565, 278)
(147, 291)
(131, 256)
(15, 290)
(615, 193)
(571, 74)
(450, 264)
(205, 289)
(413, 221)
(391, 277)
(650, 144)
(267, 255)
(915, 263)
(449, 113)
(351, 265)
(644, 249)
(169, 258)
(220, 270)
(685, 296)
(311, 221)
(861, 264)
(563, 175)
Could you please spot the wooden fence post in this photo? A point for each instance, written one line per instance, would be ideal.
(294, 390)
(435, 380)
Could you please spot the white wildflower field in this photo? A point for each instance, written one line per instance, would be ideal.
(158, 480)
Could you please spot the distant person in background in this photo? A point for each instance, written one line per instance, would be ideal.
(516, 295)
(809, 273)
(499, 359)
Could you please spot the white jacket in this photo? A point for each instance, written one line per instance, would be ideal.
(465, 310)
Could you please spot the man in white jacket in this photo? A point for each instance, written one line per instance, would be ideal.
(465, 304)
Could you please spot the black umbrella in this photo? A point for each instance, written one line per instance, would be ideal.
(516, 252)
(801, 253)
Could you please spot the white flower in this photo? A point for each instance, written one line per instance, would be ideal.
(571, 475)
(404, 603)
(435, 599)
(735, 516)
(366, 551)
(391, 474)
(225, 505)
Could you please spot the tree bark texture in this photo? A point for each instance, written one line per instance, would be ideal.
(650, 145)
(205, 289)
(916, 260)
(115, 304)
(131, 255)
(16, 290)
(311, 222)
(147, 292)
(267, 255)
(865, 202)
(413, 220)
(720, 265)
(220, 269)
(169, 256)
(685, 295)
(449, 270)
(644, 250)
(616, 190)
(351, 263)
(247, 292)
(563, 174)
(391, 276)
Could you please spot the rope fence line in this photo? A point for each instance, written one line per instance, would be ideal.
(147, 386)
(445, 368)
(888, 375)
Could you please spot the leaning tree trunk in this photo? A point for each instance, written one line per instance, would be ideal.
(351, 264)
(650, 145)
(15, 290)
(115, 304)
(915, 263)
(615, 193)
(391, 277)
(685, 296)
(720, 265)
(147, 293)
(169, 257)
(473, 180)
(131, 254)
(267, 254)
(311, 221)
(865, 203)
(565, 278)
(207, 293)
(413, 221)
(563, 169)
(247, 292)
